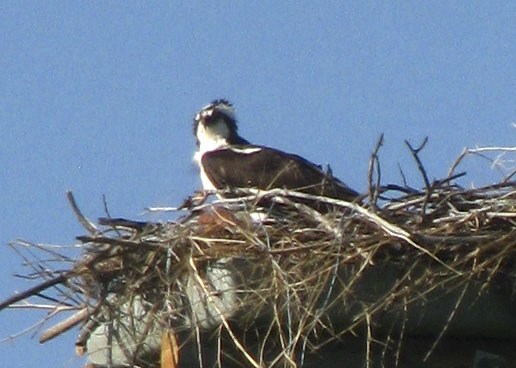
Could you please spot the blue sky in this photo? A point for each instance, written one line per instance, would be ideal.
(98, 97)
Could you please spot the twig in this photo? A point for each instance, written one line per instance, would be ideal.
(64, 326)
(479, 151)
(403, 177)
(35, 290)
(421, 168)
(88, 225)
(448, 321)
(374, 165)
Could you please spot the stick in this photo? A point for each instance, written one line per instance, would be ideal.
(88, 225)
(64, 326)
(34, 290)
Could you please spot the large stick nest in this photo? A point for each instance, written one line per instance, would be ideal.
(268, 291)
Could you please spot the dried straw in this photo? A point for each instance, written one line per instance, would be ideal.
(269, 292)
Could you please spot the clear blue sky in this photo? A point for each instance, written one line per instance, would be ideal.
(99, 97)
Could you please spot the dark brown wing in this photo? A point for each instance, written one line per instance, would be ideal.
(266, 168)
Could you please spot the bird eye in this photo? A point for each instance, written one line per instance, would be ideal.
(212, 117)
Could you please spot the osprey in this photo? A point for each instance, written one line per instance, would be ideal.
(228, 161)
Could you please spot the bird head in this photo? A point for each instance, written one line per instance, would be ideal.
(215, 126)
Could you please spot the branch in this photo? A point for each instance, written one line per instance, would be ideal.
(88, 225)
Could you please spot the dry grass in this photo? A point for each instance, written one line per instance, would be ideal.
(266, 293)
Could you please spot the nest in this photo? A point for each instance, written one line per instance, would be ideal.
(266, 280)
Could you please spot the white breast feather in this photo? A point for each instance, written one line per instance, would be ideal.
(206, 183)
(213, 137)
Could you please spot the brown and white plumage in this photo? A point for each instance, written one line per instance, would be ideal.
(228, 161)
